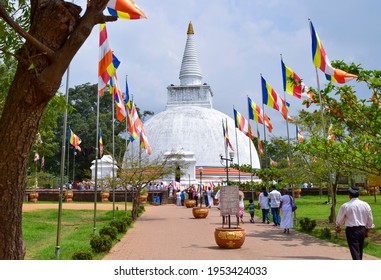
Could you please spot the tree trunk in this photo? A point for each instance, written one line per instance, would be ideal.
(58, 26)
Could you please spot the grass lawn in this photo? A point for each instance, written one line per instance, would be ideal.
(40, 232)
(315, 208)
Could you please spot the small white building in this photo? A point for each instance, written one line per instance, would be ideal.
(106, 165)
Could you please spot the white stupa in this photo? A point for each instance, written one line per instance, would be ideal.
(190, 123)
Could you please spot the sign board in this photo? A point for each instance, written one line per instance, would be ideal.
(229, 200)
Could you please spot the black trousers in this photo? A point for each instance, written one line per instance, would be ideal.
(355, 238)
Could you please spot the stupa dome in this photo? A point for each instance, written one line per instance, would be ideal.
(190, 123)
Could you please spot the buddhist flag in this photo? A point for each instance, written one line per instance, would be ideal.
(100, 144)
(331, 136)
(42, 161)
(127, 99)
(119, 104)
(293, 85)
(299, 135)
(321, 61)
(108, 63)
(260, 148)
(268, 123)
(144, 142)
(226, 135)
(73, 139)
(134, 124)
(242, 124)
(255, 112)
(36, 156)
(272, 99)
(273, 162)
(125, 9)
(288, 161)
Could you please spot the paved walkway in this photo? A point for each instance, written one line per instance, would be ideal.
(170, 232)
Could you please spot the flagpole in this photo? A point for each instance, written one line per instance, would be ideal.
(324, 135)
(288, 133)
(251, 160)
(113, 149)
(63, 149)
(236, 144)
(96, 169)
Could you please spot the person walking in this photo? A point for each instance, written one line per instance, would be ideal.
(263, 201)
(251, 208)
(274, 197)
(286, 201)
(357, 216)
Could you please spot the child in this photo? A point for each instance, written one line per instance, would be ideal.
(251, 208)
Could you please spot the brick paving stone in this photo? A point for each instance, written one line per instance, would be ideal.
(170, 232)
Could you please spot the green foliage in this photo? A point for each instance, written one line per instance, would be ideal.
(120, 225)
(127, 220)
(101, 243)
(325, 233)
(307, 224)
(82, 255)
(111, 231)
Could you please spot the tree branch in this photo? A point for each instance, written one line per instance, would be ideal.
(44, 49)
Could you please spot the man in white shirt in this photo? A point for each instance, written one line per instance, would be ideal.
(357, 216)
(274, 197)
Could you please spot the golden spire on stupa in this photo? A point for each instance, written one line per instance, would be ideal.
(190, 29)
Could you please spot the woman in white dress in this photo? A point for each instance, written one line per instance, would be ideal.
(210, 198)
(286, 207)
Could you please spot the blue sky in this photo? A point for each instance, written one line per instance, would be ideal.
(237, 40)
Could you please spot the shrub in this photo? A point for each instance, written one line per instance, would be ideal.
(307, 224)
(82, 255)
(120, 225)
(101, 243)
(325, 233)
(110, 231)
(127, 220)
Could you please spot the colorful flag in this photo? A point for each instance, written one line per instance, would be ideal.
(272, 99)
(273, 162)
(125, 9)
(42, 161)
(134, 124)
(144, 142)
(100, 144)
(226, 135)
(255, 112)
(127, 99)
(268, 123)
(331, 136)
(288, 161)
(293, 85)
(242, 124)
(299, 135)
(260, 148)
(321, 61)
(119, 104)
(73, 139)
(108, 62)
(36, 156)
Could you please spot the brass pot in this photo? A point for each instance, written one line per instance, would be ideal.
(200, 212)
(190, 203)
(230, 238)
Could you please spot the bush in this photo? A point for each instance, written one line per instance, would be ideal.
(82, 255)
(110, 231)
(101, 243)
(127, 220)
(307, 224)
(120, 225)
(325, 233)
